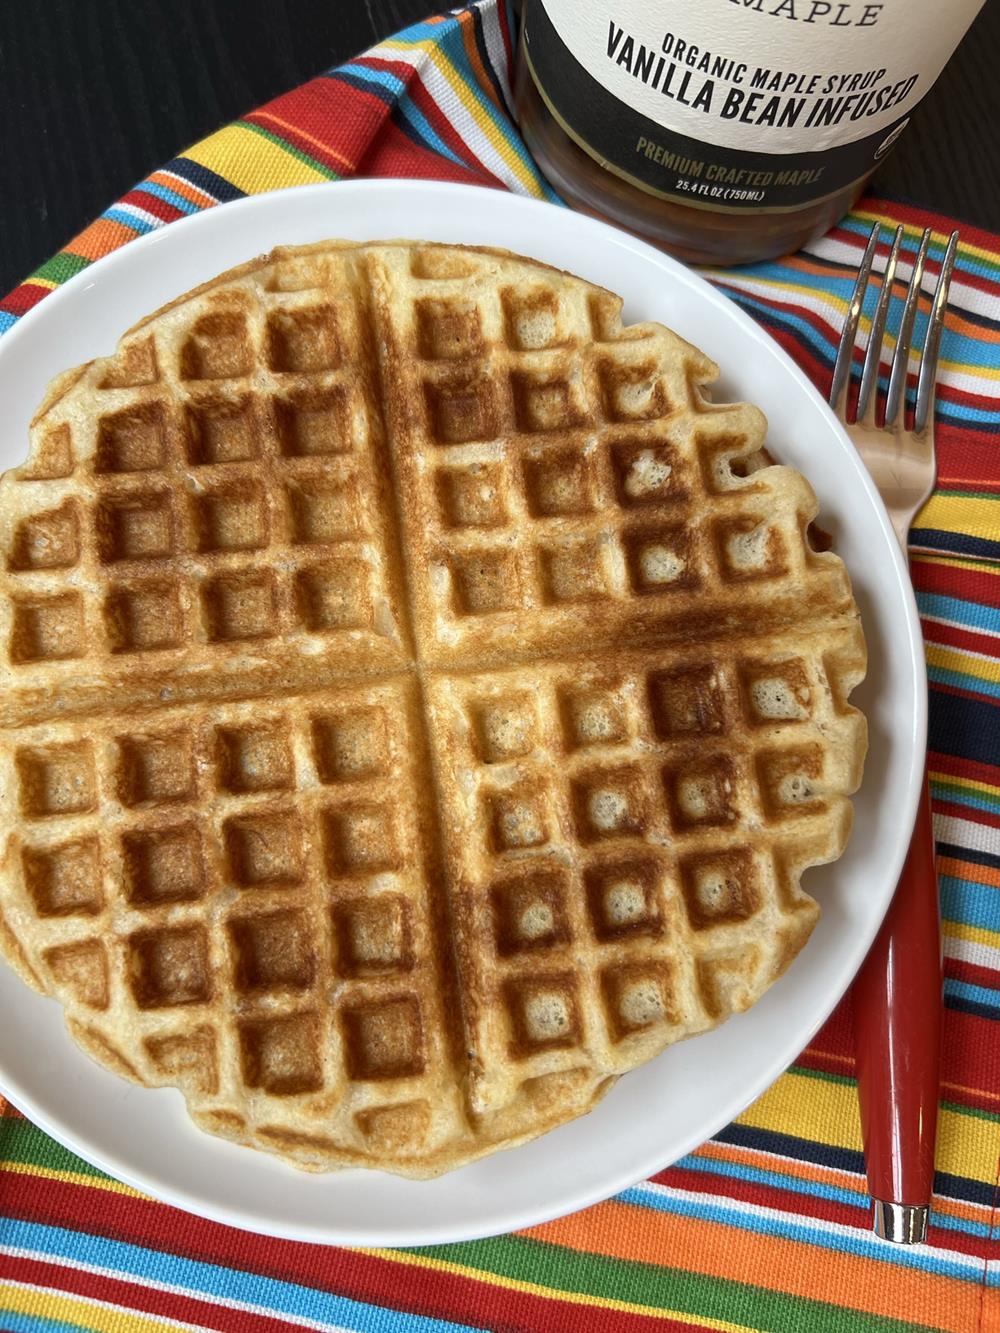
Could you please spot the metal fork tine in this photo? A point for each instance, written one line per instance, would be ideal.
(845, 351)
(895, 402)
(932, 341)
(873, 353)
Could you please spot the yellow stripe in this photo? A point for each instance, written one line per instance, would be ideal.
(55, 1305)
(967, 664)
(960, 513)
(69, 1178)
(958, 930)
(966, 784)
(962, 562)
(251, 161)
(551, 1293)
(463, 92)
(47, 283)
(911, 230)
(812, 1108)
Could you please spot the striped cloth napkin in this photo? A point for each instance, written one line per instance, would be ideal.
(765, 1227)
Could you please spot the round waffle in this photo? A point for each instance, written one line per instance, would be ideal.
(418, 702)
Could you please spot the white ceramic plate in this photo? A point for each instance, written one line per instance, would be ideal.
(665, 1109)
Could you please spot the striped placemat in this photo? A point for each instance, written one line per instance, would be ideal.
(765, 1227)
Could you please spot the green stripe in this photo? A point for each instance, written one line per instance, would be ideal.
(966, 789)
(966, 495)
(22, 1144)
(518, 1259)
(822, 1075)
(289, 148)
(976, 1112)
(61, 267)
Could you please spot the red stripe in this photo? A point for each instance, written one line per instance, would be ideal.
(959, 811)
(979, 282)
(956, 637)
(954, 766)
(397, 155)
(809, 1206)
(207, 1313)
(960, 581)
(152, 203)
(924, 217)
(441, 125)
(357, 1276)
(973, 973)
(24, 298)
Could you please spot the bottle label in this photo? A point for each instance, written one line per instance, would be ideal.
(739, 104)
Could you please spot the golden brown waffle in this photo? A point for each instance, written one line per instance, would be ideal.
(418, 703)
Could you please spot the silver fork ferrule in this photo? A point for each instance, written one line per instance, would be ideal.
(902, 1223)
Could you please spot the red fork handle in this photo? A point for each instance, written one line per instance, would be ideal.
(897, 1022)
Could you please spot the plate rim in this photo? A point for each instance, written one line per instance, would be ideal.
(239, 1216)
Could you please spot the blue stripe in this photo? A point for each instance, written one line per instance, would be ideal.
(847, 1241)
(965, 990)
(405, 106)
(766, 314)
(963, 680)
(843, 1159)
(973, 615)
(7, 321)
(168, 196)
(139, 225)
(963, 796)
(31, 1323)
(816, 1189)
(971, 903)
(220, 1283)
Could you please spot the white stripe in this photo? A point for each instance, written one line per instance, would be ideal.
(111, 1306)
(961, 295)
(960, 624)
(150, 218)
(441, 89)
(752, 1210)
(269, 1312)
(497, 51)
(964, 833)
(187, 185)
(830, 310)
(971, 951)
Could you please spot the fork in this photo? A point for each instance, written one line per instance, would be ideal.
(898, 991)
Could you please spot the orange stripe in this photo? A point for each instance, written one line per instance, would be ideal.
(640, 1235)
(300, 133)
(796, 1169)
(100, 238)
(822, 269)
(467, 25)
(787, 1166)
(950, 865)
(179, 186)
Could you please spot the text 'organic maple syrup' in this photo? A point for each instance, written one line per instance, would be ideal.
(725, 130)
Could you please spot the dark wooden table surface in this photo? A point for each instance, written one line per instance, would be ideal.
(96, 93)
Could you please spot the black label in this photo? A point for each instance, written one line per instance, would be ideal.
(675, 166)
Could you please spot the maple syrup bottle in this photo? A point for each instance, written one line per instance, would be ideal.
(725, 131)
